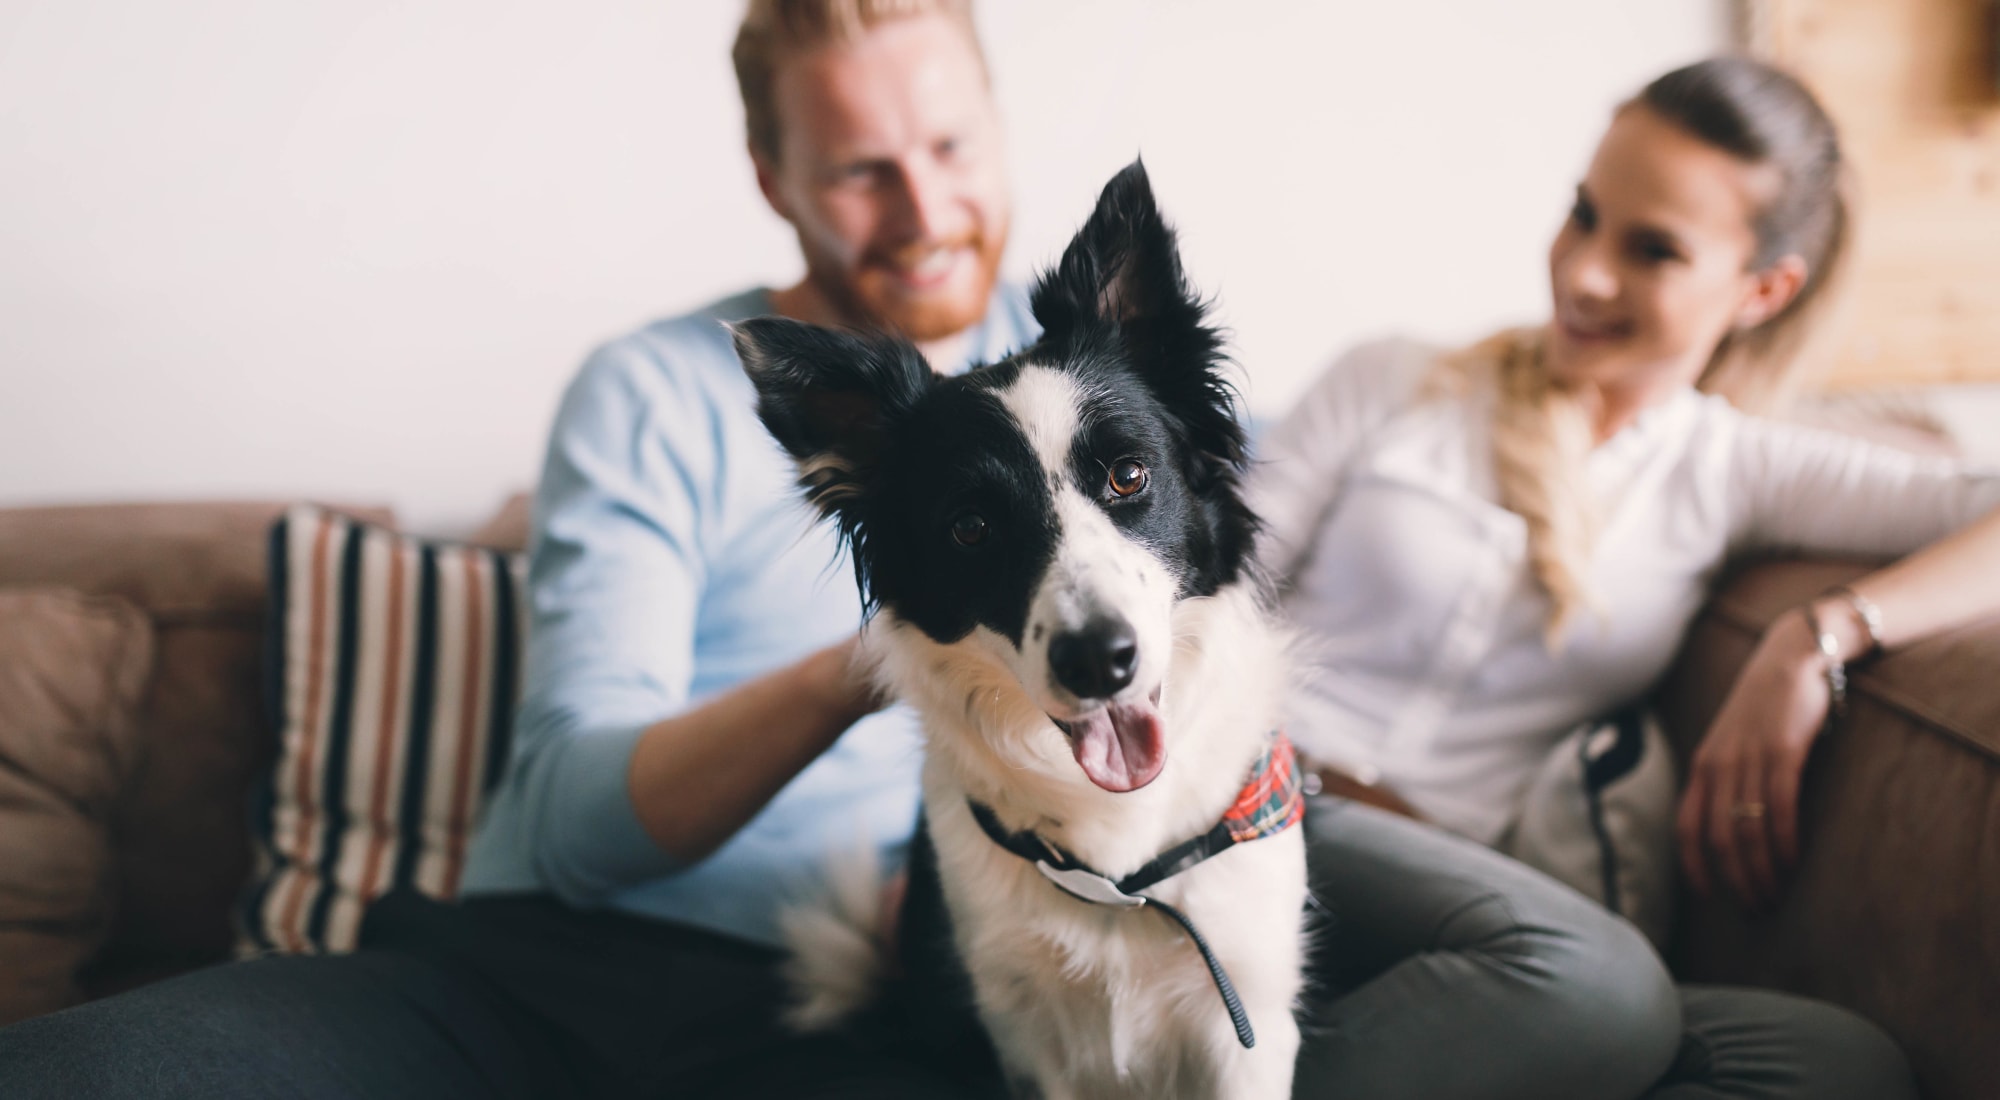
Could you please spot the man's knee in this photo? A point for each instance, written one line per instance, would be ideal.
(293, 1026)
(162, 1039)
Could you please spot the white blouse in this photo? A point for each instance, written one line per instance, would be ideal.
(1423, 626)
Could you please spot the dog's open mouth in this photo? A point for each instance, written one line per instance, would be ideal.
(1122, 746)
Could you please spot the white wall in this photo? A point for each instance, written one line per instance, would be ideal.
(353, 249)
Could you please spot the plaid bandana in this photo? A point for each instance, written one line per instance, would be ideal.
(1274, 800)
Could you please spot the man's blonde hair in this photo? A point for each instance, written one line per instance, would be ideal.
(773, 28)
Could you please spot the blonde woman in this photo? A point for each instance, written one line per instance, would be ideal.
(1489, 546)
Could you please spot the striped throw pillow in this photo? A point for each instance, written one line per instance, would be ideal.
(392, 676)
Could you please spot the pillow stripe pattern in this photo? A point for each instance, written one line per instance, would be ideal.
(393, 673)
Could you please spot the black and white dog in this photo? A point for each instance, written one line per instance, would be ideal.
(1058, 555)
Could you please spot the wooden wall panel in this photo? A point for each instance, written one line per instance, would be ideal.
(1913, 85)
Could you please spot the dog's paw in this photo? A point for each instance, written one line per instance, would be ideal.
(839, 945)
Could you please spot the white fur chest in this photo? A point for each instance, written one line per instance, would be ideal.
(1118, 1002)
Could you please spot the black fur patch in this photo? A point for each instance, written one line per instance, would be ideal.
(899, 456)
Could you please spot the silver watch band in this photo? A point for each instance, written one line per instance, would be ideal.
(1866, 611)
(1829, 650)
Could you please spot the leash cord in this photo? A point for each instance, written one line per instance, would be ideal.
(1223, 985)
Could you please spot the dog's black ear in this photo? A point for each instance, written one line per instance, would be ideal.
(1122, 268)
(830, 399)
(1120, 284)
(1122, 272)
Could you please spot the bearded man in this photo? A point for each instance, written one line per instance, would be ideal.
(692, 742)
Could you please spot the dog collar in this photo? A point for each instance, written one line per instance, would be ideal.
(1272, 801)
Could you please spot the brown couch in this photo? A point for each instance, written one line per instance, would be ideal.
(139, 629)
(1895, 908)
(130, 729)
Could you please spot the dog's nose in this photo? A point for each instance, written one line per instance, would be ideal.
(1097, 661)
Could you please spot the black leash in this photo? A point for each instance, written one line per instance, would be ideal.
(1077, 879)
(1230, 1000)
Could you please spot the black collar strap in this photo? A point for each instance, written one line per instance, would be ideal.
(1271, 802)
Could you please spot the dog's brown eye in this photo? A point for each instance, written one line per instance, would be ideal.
(1127, 477)
(969, 529)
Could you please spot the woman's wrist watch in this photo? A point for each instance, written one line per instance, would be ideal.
(1865, 610)
(1831, 663)
(1829, 644)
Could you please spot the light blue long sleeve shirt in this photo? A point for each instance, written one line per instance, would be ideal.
(671, 561)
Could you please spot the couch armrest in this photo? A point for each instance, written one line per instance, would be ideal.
(1894, 909)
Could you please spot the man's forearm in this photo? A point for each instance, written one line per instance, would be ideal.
(698, 777)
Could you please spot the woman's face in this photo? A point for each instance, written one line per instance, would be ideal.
(1652, 267)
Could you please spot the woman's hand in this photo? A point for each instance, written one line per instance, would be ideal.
(1739, 818)
(1740, 815)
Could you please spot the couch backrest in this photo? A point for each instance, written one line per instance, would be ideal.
(180, 837)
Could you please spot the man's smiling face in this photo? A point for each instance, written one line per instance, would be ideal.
(890, 168)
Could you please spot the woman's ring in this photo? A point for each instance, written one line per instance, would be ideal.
(1747, 811)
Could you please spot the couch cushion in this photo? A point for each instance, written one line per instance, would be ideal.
(72, 671)
(183, 850)
(395, 665)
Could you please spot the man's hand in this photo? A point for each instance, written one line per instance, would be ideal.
(1739, 817)
(698, 777)
(844, 683)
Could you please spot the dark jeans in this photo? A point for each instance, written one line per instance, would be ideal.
(1449, 971)
(1443, 971)
(497, 997)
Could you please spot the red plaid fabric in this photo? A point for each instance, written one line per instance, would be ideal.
(1274, 800)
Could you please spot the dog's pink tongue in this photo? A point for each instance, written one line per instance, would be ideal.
(1121, 748)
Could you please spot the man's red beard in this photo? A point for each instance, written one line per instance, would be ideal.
(867, 296)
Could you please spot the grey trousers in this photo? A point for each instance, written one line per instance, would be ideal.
(1446, 970)
(1442, 971)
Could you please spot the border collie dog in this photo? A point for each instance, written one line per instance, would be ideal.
(1057, 556)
